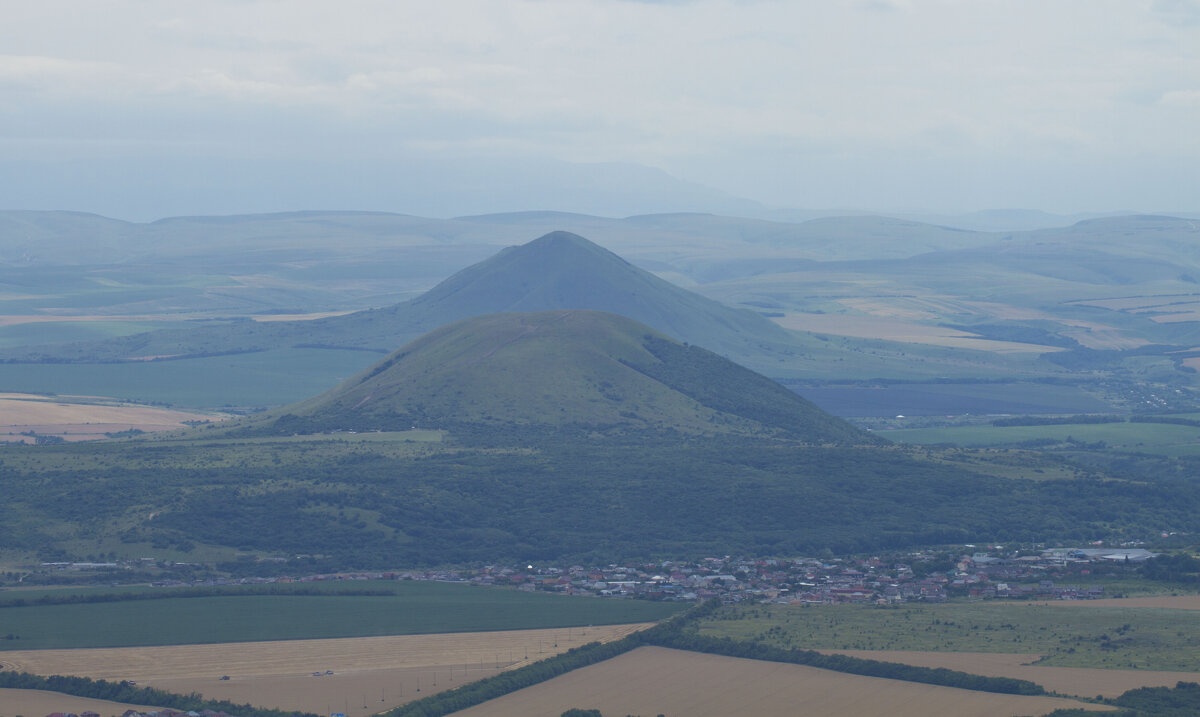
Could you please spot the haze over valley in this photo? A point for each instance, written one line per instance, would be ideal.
(600, 357)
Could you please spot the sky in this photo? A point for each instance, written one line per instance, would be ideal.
(140, 109)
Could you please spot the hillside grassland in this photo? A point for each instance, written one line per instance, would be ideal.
(1095, 637)
(412, 608)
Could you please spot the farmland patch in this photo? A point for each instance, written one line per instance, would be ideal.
(24, 416)
(1100, 637)
(655, 680)
(38, 702)
(357, 676)
(1079, 681)
(414, 607)
(892, 329)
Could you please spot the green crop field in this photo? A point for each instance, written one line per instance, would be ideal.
(265, 378)
(413, 608)
(1161, 438)
(1069, 636)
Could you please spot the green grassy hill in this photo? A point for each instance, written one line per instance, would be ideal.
(560, 369)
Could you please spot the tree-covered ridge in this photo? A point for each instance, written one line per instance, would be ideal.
(545, 495)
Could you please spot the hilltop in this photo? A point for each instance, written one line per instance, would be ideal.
(570, 369)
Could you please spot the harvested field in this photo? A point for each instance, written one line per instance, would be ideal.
(890, 329)
(269, 318)
(1176, 317)
(83, 419)
(37, 702)
(1081, 681)
(17, 319)
(368, 674)
(655, 680)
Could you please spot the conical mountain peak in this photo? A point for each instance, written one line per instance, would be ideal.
(559, 270)
(564, 369)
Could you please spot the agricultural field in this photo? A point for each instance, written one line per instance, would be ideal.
(1114, 638)
(899, 330)
(1166, 602)
(1159, 438)
(77, 418)
(1077, 681)
(38, 702)
(941, 399)
(404, 608)
(250, 380)
(357, 676)
(654, 680)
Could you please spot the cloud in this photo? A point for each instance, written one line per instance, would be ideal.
(716, 90)
(1180, 12)
(1181, 98)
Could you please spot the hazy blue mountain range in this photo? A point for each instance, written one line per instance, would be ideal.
(558, 271)
(862, 298)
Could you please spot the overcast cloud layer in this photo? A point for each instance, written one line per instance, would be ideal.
(143, 109)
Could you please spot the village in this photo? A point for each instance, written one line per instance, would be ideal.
(930, 576)
(152, 713)
(923, 576)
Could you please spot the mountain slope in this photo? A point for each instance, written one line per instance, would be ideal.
(562, 369)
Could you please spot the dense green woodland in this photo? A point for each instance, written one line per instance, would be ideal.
(555, 496)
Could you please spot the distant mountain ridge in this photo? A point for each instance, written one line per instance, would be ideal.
(559, 270)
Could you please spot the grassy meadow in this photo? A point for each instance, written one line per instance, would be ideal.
(412, 608)
(1159, 438)
(1083, 636)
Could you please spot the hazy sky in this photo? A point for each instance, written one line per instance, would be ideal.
(140, 108)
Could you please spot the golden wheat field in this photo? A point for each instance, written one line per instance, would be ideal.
(890, 329)
(654, 680)
(35, 703)
(75, 419)
(1080, 681)
(357, 676)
